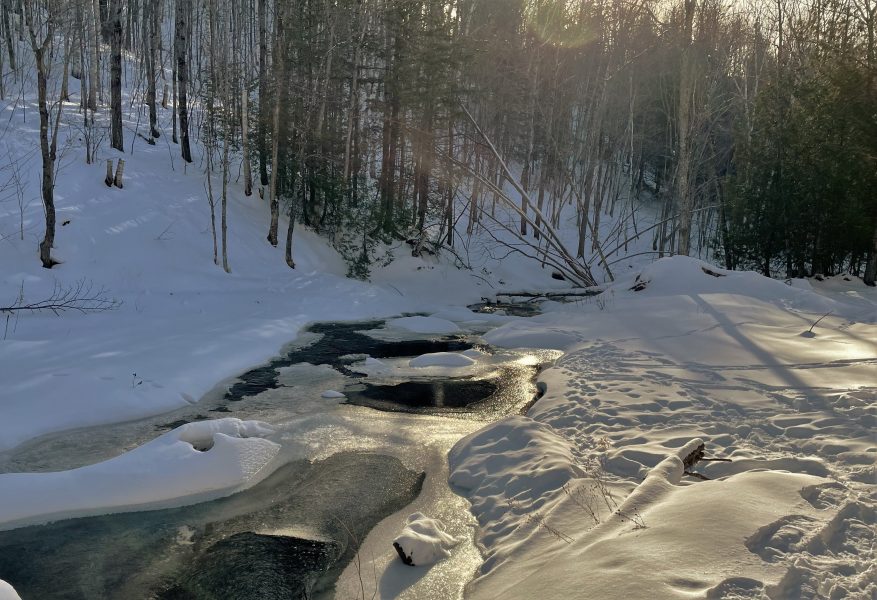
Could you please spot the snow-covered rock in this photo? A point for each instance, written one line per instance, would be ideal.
(441, 359)
(192, 462)
(423, 541)
(424, 325)
(7, 592)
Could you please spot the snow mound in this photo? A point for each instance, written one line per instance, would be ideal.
(676, 275)
(332, 394)
(7, 592)
(371, 367)
(192, 462)
(516, 462)
(532, 333)
(441, 359)
(424, 325)
(423, 541)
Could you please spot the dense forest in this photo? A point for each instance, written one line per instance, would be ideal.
(749, 126)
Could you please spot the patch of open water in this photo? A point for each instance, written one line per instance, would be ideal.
(289, 536)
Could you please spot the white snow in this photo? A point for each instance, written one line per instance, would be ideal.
(7, 592)
(201, 459)
(424, 325)
(332, 394)
(441, 359)
(465, 316)
(592, 475)
(582, 497)
(424, 541)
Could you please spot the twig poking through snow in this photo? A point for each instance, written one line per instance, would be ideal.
(80, 297)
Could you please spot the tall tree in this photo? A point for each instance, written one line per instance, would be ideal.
(182, 28)
(116, 135)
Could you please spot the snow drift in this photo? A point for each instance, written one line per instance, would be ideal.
(193, 462)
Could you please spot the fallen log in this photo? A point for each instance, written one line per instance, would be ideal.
(579, 293)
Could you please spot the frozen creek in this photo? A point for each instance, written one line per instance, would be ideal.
(322, 517)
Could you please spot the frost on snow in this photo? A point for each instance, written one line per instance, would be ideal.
(423, 541)
(197, 459)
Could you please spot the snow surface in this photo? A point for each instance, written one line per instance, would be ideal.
(441, 359)
(582, 497)
(592, 474)
(424, 540)
(197, 459)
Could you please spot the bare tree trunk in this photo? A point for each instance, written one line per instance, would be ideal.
(871, 268)
(224, 206)
(181, 50)
(68, 48)
(94, 71)
(42, 56)
(151, 26)
(10, 43)
(116, 76)
(683, 166)
(289, 229)
(261, 138)
(279, 61)
(245, 139)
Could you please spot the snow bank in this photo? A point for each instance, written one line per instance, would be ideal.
(7, 592)
(461, 314)
(441, 359)
(192, 462)
(681, 352)
(423, 541)
(424, 325)
(509, 467)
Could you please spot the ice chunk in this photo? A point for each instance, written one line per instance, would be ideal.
(441, 359)
(423, 541)
(424, 325)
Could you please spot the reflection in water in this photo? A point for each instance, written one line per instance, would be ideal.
(227, 548)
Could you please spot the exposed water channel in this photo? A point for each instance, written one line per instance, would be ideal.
(345, 465)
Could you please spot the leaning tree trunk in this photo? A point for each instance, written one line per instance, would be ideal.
(116, 140)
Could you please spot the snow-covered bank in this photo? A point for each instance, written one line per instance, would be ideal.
(200, 460)
(183, 324)
(696, 352)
